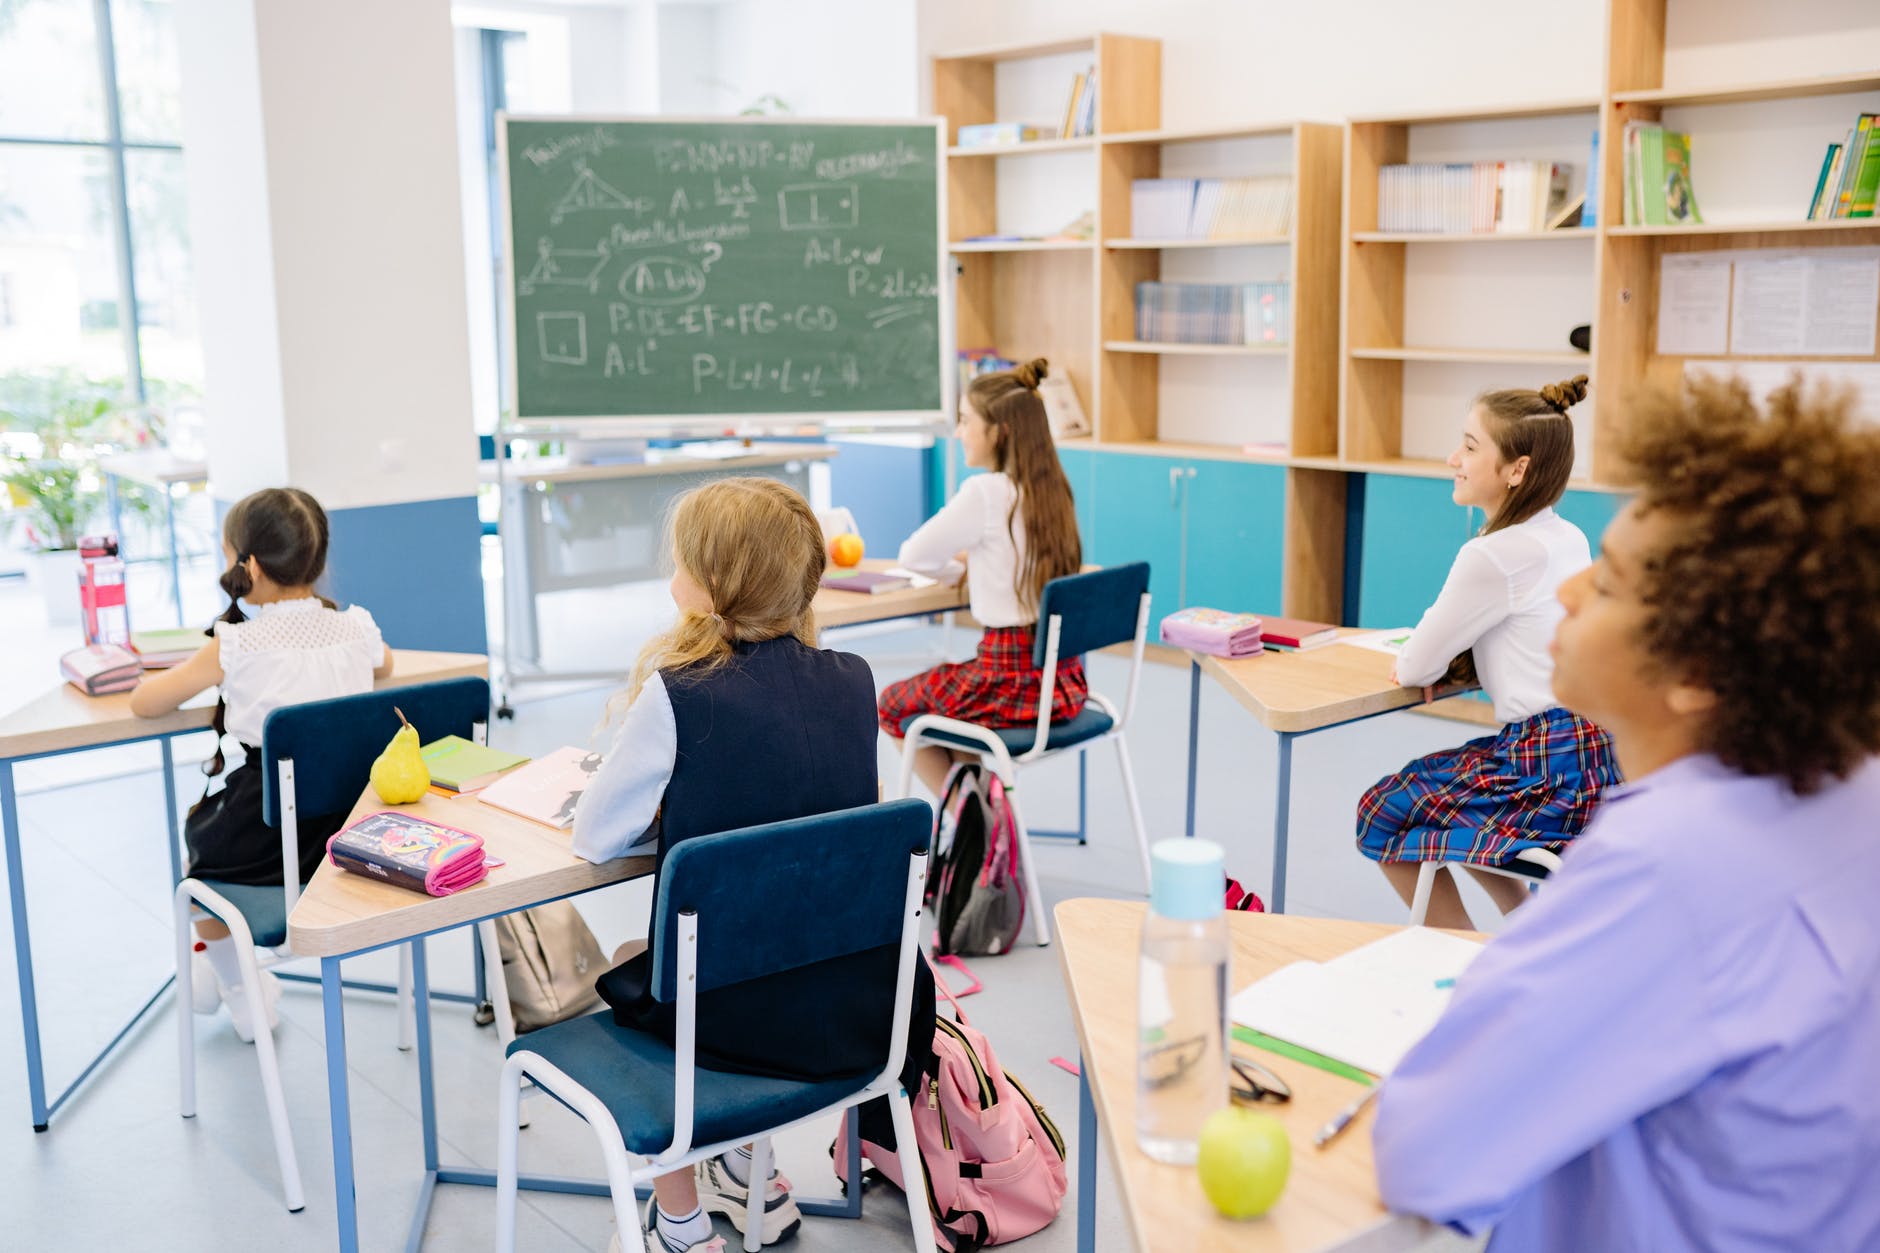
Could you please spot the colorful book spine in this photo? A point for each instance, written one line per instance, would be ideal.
(1866, 180)
(1465, 198)
(986, 134)
(1821, 180)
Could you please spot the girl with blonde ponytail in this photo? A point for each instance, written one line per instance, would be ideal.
(734, 718)
(1534, 784)
(1015, 529)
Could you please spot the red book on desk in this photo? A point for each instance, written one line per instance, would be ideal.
(1299, 633)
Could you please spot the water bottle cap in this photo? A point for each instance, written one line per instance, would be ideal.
(1186, 880)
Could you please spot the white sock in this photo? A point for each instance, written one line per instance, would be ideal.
(737, 1164)
(227, 963)
(680, 1234)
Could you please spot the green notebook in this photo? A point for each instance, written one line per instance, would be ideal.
(461, 765)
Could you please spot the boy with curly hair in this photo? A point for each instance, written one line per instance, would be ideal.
(1674, 1046)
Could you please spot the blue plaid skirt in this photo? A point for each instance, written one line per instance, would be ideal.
(1532, 785)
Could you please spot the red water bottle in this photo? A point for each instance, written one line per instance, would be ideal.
(101, 600)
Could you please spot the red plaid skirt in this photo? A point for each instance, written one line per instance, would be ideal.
(1533, 785)
(997, 688)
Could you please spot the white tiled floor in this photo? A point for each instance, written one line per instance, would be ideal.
(120, 1169)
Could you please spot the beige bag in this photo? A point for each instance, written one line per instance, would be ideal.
(550, 963)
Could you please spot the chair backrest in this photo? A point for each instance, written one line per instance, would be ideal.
(828, 885)
(332, 742)
(1098, 609)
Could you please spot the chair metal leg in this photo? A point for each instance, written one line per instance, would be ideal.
(491, 949)
(508, 1104)
(911, 1170)
(1426, 883)
(185, 1006)
(270, 1066)
(402, 999)
(1135, 807)
(1041, 923)
(757, 1195)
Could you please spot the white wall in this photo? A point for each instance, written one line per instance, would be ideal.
(824, 58)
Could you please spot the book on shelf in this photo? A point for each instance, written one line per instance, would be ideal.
(1589, 215)
(1214, 313)
(167, 646)
(1301, 634)
(1475, 198)
(460, 765)
(547, 789)
(1827, 183)
(1062, 410)
(1659, 190)
(100, 669)
(1859, 184)
(1070, 104)
(867, 582)
(411, 852)
(993, 134)
(1210, 208)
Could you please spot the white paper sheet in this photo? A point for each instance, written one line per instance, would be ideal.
(1693, 305)
(1764, 377)
(1768, 301)
(1843, 300)
(1819, 303)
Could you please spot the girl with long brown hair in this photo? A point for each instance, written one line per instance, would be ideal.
(1534, 783)
(1015, 529)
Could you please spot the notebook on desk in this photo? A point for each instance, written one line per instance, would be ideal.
(547, 789)
(1365, 1008)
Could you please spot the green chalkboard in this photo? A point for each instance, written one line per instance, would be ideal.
(696, 269)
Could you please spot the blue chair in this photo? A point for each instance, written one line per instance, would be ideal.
(853, 880)
(315, 756)
(1080, 613)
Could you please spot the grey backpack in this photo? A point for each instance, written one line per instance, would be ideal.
(550, 963)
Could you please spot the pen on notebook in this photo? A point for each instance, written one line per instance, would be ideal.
(1342, 1119)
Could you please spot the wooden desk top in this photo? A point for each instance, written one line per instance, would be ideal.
(664, 462)
(342, 912)
(1321, 687)
(157, 466)
(1331, 1195)
(837, 609)
(64, 718)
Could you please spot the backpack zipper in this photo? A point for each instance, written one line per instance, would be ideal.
(1044, 1119)
(986, 1096)
(933, 1103)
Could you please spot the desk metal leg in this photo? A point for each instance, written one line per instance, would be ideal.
(23, 949)
(176, 568)
(427, 1093)
(1282, 808)
(169, 812)
(345, 1199)
(1086, 1160)
(1194, 736)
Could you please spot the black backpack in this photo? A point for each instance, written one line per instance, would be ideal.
(974, 885)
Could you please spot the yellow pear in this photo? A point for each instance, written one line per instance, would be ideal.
(399, 775)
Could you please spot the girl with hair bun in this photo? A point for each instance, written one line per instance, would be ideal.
(1534, 783)
(298, 647)
(1014, 528)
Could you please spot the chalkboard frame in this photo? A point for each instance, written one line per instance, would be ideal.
(513, 422)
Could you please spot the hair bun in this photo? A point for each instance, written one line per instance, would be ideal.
(1031, 373)
(1563, 396)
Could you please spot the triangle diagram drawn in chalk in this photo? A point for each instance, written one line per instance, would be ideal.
(589, 192)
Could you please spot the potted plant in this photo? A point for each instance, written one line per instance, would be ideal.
(53, 429)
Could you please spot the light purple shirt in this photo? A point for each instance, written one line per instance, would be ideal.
(1676, 1044)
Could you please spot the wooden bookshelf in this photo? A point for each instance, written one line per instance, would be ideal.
(1160, 245)
(1197, 350)
(1031, 147)
(1471, 237)
(1472, 356)
(1020, 245)
(1745, 93)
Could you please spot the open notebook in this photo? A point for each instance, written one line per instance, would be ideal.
(1364, 1008)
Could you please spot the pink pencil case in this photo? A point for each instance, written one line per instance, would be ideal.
(400, 848)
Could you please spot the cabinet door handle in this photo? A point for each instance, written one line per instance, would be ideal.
(1174, 486)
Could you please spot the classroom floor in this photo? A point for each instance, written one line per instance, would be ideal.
(120, 1170)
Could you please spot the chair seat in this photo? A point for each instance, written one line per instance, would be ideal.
(631, 1073)
(1087, 725)
(262, 906)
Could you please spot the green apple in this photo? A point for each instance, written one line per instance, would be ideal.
(1244, 1160)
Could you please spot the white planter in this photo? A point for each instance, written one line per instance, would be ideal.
(54, 575)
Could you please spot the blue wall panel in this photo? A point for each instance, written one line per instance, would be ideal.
(885, 487)
(1412, 532)
(418, 567)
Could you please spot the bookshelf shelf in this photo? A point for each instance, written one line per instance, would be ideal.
(1031, 147)
(1742, 93)
(1158, 245)
(1545, 108)
(1021, 52)
(1194, 136)
(1197, 350)
(1750, 228)
(1473, 356)
(1471, 237)
(1021, 245)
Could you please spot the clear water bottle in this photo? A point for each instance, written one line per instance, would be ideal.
(1181, 1070)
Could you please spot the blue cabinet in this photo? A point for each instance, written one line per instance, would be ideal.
(1080, 469)
(1592, 512)
(1137, 517)
(1411, 532)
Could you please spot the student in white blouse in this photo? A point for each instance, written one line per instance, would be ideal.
(1534, 784)
(298, 647)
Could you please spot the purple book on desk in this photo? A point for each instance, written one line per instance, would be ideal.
(1213, 631)
(868, 582)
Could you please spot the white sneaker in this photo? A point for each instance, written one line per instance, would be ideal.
(719, 1192)
(657, 1242)
(240, 1007)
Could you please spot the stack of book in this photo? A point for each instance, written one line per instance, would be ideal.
(1484, 198)
(1849, 181)
(168, 646)
(1210, 208)
(1213, 631)
(1657, 169)
(1080, 111)
(460, 765)
(1213, 313)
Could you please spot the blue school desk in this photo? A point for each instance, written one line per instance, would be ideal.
(1294, 694)
(65, 720)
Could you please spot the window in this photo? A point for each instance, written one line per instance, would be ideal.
(94, 234)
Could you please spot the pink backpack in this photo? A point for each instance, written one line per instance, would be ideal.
(994, 1159)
